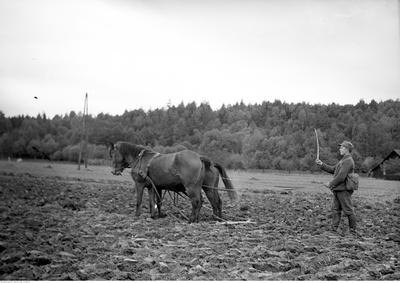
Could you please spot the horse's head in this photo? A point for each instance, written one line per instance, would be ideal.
(118, 160)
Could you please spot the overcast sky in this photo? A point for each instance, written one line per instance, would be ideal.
(130, 54)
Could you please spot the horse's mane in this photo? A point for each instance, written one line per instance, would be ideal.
(127, 148)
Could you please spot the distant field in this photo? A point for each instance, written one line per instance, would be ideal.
(375, 190)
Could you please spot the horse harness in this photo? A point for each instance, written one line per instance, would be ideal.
(137, 168)
(144, 174)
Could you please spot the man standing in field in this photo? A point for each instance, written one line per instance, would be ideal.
(341, 196)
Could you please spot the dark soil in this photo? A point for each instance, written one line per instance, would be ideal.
(54, 228)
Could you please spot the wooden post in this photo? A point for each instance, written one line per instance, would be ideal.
(86, 151)
(84, 136)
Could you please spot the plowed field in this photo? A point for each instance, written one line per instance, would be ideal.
(57, 223)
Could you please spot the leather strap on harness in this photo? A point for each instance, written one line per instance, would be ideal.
(149, 163)
(138, 166)
(139, 160)
(145, 175)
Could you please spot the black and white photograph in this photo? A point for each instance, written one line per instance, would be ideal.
(199, 140)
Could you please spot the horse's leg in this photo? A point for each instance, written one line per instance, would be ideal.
(159, 203)
(139, 197)
(194, 193)
(217, 204)
(152, 203)
(210, 188)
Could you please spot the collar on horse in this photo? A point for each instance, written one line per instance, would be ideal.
(143, 173)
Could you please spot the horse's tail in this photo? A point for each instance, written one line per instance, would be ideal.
(227, 182)
(206, 161)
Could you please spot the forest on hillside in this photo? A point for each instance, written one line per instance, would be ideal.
(270, 135)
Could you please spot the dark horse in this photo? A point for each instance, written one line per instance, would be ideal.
(184, 171)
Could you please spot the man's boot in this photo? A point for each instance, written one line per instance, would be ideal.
(336, 220)
(353, 224)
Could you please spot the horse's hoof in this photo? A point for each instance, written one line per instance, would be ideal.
(162, 215)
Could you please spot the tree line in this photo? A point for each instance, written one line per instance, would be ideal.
(270, 135)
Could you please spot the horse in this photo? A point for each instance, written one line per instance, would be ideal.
(209, 186)
(184, 171)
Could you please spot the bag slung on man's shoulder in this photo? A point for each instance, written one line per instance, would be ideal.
(352, 181)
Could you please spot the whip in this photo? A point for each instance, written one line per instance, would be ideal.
(316, 137)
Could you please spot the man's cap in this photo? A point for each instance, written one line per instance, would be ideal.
(347, 144)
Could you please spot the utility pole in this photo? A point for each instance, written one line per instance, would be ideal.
(84, 137)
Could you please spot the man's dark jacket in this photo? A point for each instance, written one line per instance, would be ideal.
(339, 171)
